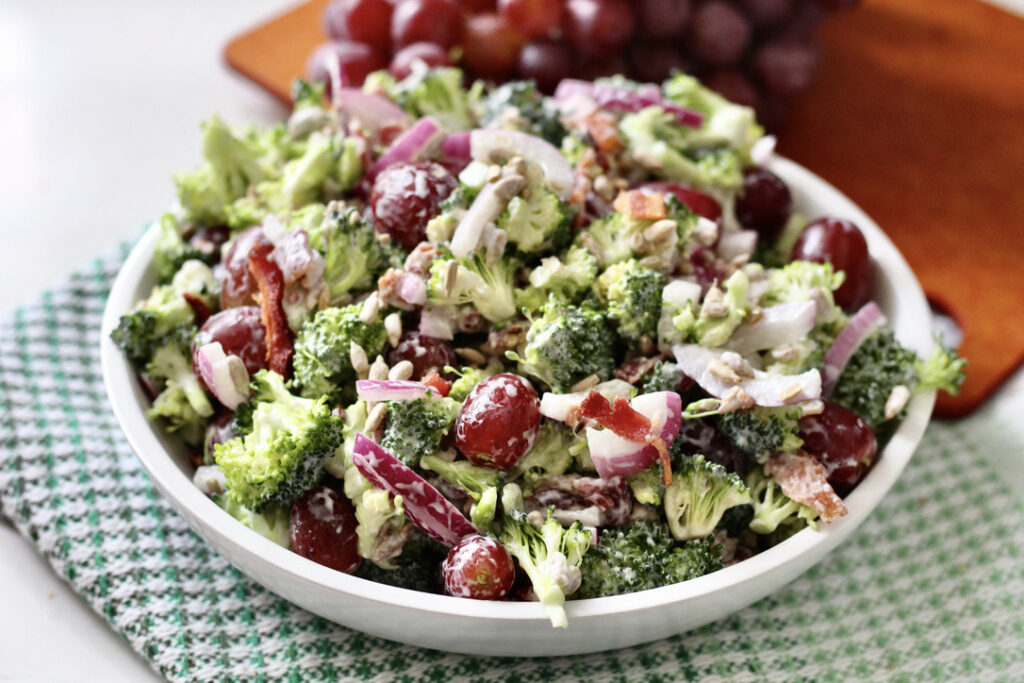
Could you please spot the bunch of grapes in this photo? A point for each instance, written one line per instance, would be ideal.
(756, 52)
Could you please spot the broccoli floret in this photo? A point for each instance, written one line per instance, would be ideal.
(490, 288)
(664, 376)
(351, 252)
(415, 568)
(183, 403)
(535, 220)
(415, 429)
(436, 92)
(805, 281)
(632, 296)
(672, 152)
(647, 485)
(724, 122)
(549, 455)
(943, 371)
(877, 367)
(518, 105)
(165, 312)
(306, 94)
(641, 556)
(273, 521)
(172, 250)
(323, 366)
(714, 330)
(566, 344)
(608, 238)
(550, 556)
(700, 493)
(282, 456)
(480, 483)
(567, 278)
(772, 507)
(761, 431)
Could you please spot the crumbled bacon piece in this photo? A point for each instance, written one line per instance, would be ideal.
(805, 480)
(199, 308)
(626, 422)
(640, 204)
(271, 285)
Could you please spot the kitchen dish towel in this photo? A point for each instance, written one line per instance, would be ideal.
(931, 587)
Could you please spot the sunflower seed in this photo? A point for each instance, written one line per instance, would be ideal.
(393, 328)
(401, 370)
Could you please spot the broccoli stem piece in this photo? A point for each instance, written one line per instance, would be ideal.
(700, 493)
(772, 507)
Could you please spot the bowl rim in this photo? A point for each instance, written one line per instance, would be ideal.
(124, 394)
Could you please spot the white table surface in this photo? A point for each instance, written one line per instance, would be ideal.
(99, 103)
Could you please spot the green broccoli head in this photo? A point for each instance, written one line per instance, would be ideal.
(567, 278)
(760, 431)
(489, 288)
(550, 454)
(535, 220)
(566, 344)
(713, 328)
(805, 281)
(282, 456)
(943, 371)
(632, 296)
(519, 105)
(664, 376)
(773, 508)
(700, 493)
(435, 92)
(469, 378)
(877, 367)
(172, 251)
(165, 313)
(415, 429)
(608, 238)
(642, 556)
(550, 556)
(307, 94)
(725, 123)
(323, 348)
(352, 254)
(182, 402)
(273, 521)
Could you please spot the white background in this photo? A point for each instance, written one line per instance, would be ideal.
(99, 103)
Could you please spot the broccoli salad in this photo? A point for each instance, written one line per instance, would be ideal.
(509, 346)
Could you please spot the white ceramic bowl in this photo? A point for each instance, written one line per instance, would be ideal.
(522, 629)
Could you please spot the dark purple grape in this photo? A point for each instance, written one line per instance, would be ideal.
(430, 21)
(478, 568)
(764, 204)
(406, 196)
(767, 13)
(701, 437)
(598, 28)
(323, 529)
(547, 62)
(842, 244)
(425, 353)
(654, 62)
(786, 67)
(842, 442)
(364, 21)
(733, 86)
(718, 33)
(662, 19)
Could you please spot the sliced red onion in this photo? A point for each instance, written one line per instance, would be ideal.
(414, 144)
(764, 388)
(557, 406)
(393, 390)
(438, 322)
(626, 100)
(413, 289)
(863, 323)
(424, 505)
(736, 243)
(492, 144)
(665, 411)
(615, 456)
(373, 111)
(225, 376)
(780, 324)
(485, 209)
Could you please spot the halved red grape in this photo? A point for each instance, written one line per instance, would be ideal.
(547, 62)
(429, 53)
(662, 19)
(732, 85)
(598, 28)
(842, 244)
(534, 18)
(209, 240)
(786, 67)
(354, 60)
(654, 62)
(323, 529)
(718, 33)
(425, 353)
(498, 421)
(430, 21)
(700, 203)
(406, 196)
(240, 332)
(764, 204)
(842, 442)
(364, 21)
(491, 47)
(478, 568)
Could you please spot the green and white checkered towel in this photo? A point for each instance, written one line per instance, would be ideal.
(931, 587)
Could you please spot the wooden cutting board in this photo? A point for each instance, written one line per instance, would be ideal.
(917, 115)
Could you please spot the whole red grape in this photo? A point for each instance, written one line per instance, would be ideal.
(841, 243)
(718, 33)
(491, 47)
(240, 332)
(355, 61)
(662, 19)
(498, 421)
(364, 21)
(603, 67)
(323, 529)
(654, 62)
(429, 53)
(430, 21)
(534, 18)
(406, 196)
(598, 28)
(764, 204)
(842, 442)
(478, 568)
(547, 62)
(767, 13)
